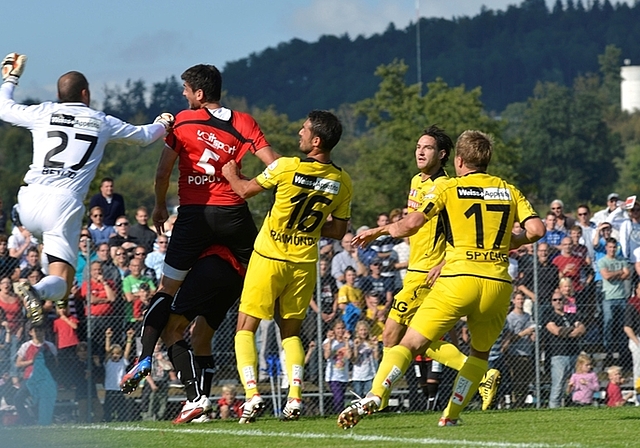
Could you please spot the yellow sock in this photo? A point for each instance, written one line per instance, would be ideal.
(465, 386)
(394, 363)
(446, 354)
(294, 359)
(247, 361)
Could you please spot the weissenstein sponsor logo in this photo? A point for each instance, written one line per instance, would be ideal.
(316, 183)
(486, 194)
(71, 121)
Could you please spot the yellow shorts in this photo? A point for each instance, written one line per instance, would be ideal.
(408, 300)
(267, 280)
(485, 302)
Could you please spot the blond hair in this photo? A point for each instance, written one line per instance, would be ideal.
(583, 359)
(229, 388)
(365, 324)
(475, 148)
(614, 369)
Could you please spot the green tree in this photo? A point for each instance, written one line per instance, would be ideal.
(15, 156)
(609, 63)
(570, 151)
(396, 116)
(166, 96)
(127, 103)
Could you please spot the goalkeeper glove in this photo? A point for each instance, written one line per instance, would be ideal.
(12, 67)
(165, 119)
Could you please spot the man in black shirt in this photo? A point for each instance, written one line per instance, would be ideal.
(561, 334)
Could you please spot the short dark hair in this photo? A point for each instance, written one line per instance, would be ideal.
(584, 206)
(70, 87)
(327, 127)
(33, 249)
(611, 240)
(206, 78)
(443, 141)
(106, 179)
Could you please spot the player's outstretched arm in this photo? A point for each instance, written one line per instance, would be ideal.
(267, 155)
(407, 226)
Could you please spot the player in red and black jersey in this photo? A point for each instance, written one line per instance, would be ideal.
(197, 300)
(203, 140)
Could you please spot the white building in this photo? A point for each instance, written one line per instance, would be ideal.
(630, 87)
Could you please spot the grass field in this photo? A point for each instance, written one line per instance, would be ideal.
(583, 427)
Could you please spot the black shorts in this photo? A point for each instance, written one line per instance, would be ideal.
(211, 287)
(428, 372)
(200, 226)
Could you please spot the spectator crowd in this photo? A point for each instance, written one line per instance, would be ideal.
(577, 291)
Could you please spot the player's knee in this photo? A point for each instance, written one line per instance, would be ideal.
(158, 314)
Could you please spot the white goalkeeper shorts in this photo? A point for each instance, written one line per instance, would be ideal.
(53, 215)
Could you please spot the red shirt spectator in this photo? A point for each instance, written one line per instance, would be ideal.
(102, 292)
(569, 265)
(66, 333)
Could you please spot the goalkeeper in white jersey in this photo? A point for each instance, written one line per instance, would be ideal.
(69, 138)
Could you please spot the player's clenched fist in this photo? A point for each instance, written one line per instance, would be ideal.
(230, 169)
(12, 67)
(165, 119)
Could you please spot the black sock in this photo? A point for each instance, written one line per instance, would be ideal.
(154, 322)
(185, 364)
(432, 396)
(205, 373)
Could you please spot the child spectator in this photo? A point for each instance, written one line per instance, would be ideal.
(38, 358)
(615, 397)
(83, 373)
(349, 291)
(364, 358)
(583, 383)
(375, 314)
(64, 329)
(565, 289)
(115, 366)
(229, 406)
(337, 352)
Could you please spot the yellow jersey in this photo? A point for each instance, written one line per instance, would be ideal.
(426, 248)
(307, 191)
(352, 294)
(478, 212)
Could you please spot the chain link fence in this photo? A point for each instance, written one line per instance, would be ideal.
(558, 312)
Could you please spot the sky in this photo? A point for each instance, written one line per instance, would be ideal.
(113, 41)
